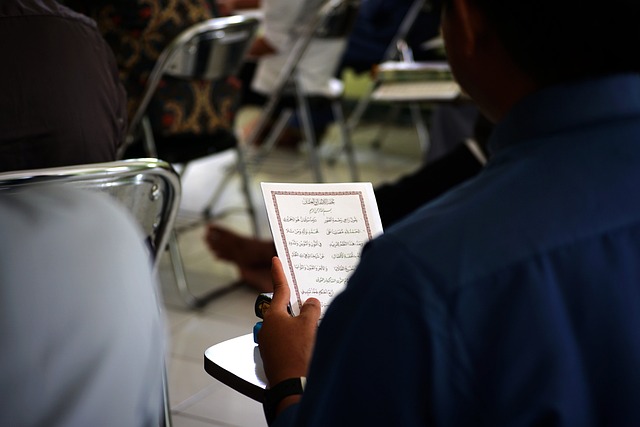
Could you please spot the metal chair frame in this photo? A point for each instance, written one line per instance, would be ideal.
(210, 50)
(397, 50)
(333, 19)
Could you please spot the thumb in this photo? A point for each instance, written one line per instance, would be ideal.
(311, 309)
(281, 291)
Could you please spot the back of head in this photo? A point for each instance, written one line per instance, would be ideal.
(562, 40)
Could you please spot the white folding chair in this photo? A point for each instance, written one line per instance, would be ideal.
(397, 50)
(401, 81)
(408, 83)
(333, 20)
(148, 188)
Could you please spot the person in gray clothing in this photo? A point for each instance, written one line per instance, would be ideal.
(81, 331)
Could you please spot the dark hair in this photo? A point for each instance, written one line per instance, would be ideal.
(560, 40)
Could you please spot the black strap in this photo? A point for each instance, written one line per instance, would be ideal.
(274, 395)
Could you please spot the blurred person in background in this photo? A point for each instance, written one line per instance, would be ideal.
(184, 113)
(61, 101)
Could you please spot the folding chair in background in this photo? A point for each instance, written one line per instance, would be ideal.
(403, 82)
(333, 20)
(212, 50)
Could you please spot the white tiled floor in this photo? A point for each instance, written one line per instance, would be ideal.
(198, 400)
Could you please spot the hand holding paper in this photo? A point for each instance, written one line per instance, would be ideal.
(286, 343)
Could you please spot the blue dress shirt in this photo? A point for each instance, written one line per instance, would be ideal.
(513, 300)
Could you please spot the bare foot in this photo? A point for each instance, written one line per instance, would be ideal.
(245, 252)
(258, 278)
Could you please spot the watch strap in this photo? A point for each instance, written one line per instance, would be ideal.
(274, 395)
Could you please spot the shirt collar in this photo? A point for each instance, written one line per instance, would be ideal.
(562, 107)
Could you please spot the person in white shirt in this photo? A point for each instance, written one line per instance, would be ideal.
(81, 330)
(284, 22)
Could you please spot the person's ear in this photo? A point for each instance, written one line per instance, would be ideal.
(472, 25)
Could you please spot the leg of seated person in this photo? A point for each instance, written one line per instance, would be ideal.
(243, 251)
(251, 256)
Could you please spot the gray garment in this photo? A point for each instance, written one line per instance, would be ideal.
(81, 332)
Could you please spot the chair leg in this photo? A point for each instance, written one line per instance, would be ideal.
(421, 129)
(167, 421)
(148, 139)
(213, 200)
(188, 297)
(179, 273)
(347, 145)
(245, 183)
(309, 135)
(384, 127)
(177, 263)
(272, 138)
(361, 107)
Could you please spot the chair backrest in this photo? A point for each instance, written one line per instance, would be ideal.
(210, 50)
(333, 19)
(148, 188)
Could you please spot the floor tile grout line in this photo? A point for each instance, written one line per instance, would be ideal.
(194, 398)
(204, 419)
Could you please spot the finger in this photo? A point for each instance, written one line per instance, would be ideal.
(311, 309)
(281, 291)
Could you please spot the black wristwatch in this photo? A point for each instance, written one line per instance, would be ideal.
(274, 395)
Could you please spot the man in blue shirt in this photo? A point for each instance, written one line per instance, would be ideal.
(513, 300)
(378, 23)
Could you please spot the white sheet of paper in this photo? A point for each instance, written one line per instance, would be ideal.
(319, 231)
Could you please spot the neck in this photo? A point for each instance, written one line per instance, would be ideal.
(501, 90)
